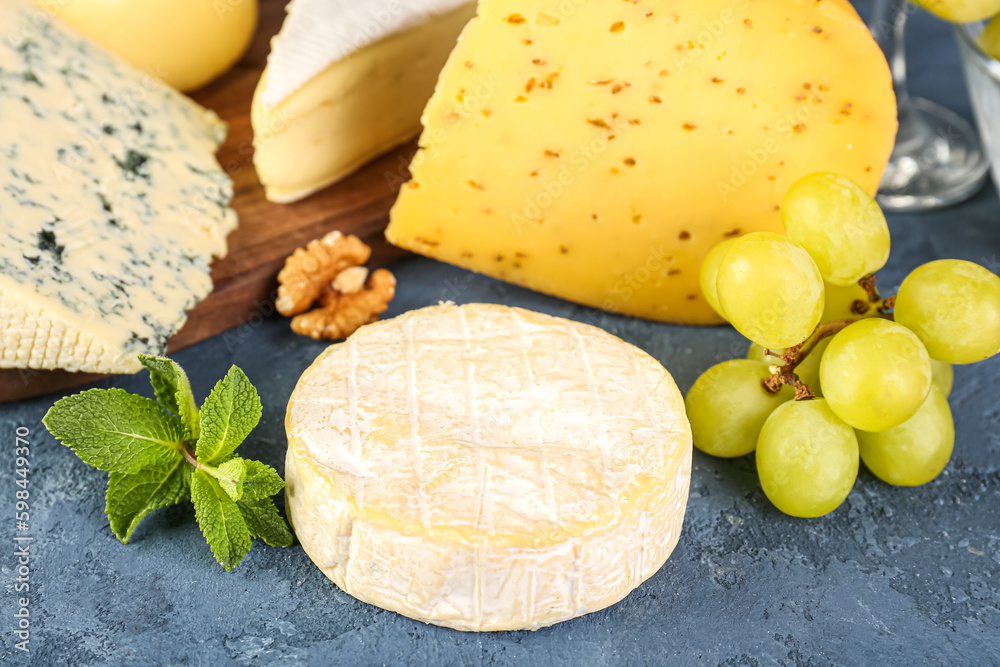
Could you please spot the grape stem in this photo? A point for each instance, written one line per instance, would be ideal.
(883, 305)
(794, 356)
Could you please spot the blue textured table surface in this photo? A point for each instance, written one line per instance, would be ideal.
(902, 576)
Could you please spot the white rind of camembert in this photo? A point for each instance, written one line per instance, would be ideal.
(112, 204)
(345, 82)
(487, 468)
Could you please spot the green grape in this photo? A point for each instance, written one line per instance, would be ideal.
(954, 307)
(807, 458)
(944, 376)
(839, 224)
(989, 38)
(808, 370)
(840, 303)
(875, 374)
(710, 273)
(916, 451)
(961, 11)
(727, 405)
(770, 290)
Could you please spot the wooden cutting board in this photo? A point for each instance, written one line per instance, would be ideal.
(246, 279)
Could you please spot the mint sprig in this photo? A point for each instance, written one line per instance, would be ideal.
(167, 451)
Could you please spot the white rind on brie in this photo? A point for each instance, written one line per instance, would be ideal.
(487, 468)
(317, 33)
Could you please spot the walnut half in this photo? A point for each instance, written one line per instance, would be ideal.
(330, 271)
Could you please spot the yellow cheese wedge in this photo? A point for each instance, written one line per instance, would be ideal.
(358, 107)
(597, 151)
(487, 468)
(185, 43)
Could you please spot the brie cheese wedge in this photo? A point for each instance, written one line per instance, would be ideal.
(345, 82)
(487, 468)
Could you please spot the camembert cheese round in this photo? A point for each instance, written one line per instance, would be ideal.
(487, 468)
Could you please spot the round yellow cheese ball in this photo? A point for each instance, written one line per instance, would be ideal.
(185, 43)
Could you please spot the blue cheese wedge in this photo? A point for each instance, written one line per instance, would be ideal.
(112, 204)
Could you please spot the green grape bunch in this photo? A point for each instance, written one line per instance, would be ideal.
(836, 374)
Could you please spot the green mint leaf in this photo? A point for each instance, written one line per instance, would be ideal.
(173, 392)
(220, 519)
(115, 431)
(230, 476)
(230, 412)
(261, 481)
(263, 520)
(133, 496)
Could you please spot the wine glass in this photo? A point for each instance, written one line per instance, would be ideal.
(938, 159)
(982, 71)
